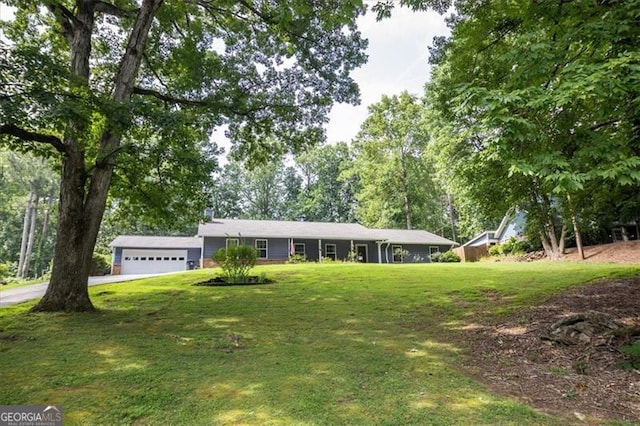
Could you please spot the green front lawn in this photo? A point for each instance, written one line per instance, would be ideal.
(327, 344)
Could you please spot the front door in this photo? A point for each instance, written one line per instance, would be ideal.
(362, 253)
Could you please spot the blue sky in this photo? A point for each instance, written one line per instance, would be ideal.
(398, 60)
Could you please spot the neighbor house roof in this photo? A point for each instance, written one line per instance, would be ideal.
(315, 230)
(140, 241)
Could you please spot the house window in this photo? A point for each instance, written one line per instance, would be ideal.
(262, 247)
(397, 253)
(232, 242)
(330, 251)
(298, 249)
(433, 250)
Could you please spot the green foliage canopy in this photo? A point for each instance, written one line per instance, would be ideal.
(394, 169)
(541, 99)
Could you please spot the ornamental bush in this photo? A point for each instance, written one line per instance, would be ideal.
(510, 247)
(297, 258)
(450, 257)
(236, 262)
(100, 265)
(5, 273)
(496, 250)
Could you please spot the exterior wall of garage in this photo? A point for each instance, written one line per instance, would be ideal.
(193, 255)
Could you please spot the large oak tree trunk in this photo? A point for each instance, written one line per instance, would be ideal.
(83, 197)
(68, 289)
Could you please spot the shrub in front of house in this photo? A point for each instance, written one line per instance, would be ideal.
(297, 258)
(450, 257)
(495, 250)
(236, 262)
(100, 265)
(446, 257)
(352, 256)
(510, 247)
(5, 273)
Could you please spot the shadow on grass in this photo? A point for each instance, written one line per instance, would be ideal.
(380, 352)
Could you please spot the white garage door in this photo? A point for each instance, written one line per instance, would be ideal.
(139, 261)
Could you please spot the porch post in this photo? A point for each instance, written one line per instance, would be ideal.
(319, 250)
(379, 251)
(202, 253)
(351, 255)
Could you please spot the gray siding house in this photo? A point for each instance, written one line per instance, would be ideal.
(275, 242)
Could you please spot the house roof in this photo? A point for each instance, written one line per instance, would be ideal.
(414, 236)
(140, 241)
(315, 230)
(283, 229)
(493, 237)
(488, 236)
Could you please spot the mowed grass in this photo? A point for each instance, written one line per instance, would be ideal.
(326, 344)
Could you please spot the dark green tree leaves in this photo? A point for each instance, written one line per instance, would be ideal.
(542, 97)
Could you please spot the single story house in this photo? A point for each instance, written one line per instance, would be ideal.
(276, 242)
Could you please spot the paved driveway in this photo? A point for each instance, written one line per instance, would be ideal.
(35, 291)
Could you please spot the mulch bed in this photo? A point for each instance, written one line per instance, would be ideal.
(220, 281)
(541, 357)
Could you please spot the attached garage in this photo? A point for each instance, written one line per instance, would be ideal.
(154, 255)
(139, 261)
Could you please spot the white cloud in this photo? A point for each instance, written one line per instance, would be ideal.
(398, 60)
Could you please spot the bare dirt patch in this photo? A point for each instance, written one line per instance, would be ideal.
(579, 379)
(621, 252)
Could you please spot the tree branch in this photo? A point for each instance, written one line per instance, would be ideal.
(206, 103)
(27, 136)
(110, 9)
(147, 61)
(64, 17)
(598, 126)
(167, 98)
